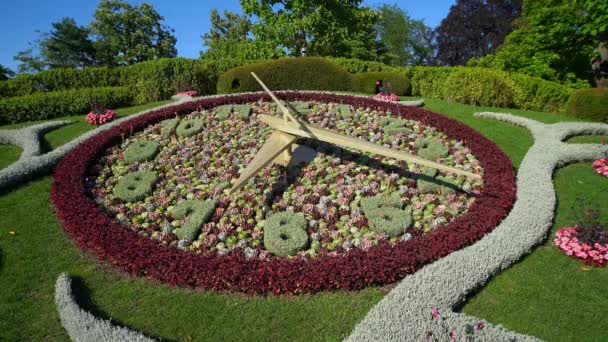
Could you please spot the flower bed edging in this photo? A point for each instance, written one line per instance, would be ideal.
(403, 313)
(82, 325)
(96, 232)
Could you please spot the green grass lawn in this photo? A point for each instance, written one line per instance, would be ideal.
(546, 294)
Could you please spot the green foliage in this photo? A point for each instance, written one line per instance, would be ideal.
(67, 45)
(285, 233)
(196, 213)
(366, 82)
(128, 34)
(526, 92)
(393, 126)
(41, 106)
(229, 37)
(140, 151)
(190, 127)
(5, 73)
(407, 41)
(478, 87)
(589, 104)
(548, 43)
(354, 65)
(430, 149)
(374, 203)
(344, 110)
(168, 126)
(135, 186)
(302, 73)
(326, 28)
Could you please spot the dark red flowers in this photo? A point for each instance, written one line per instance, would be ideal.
(98, 233)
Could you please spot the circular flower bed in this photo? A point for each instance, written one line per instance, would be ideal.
(228, 253)
(568, 241)
(601, 166)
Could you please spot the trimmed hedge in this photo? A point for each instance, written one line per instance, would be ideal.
(365, 82)
(41, 106)
(301, 73)
(589, 104)
(354, 66)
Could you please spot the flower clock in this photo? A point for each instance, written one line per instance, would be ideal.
(310, 192)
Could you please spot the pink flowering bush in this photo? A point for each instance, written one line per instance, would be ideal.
(567, 239)
(188, 93)
(386, 97)
(601, 166)
(99, 119)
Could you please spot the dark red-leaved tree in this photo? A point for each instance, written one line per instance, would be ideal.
(474, 28)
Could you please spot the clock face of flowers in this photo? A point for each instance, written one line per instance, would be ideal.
(169, 183)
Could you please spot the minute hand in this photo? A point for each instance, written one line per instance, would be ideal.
(309, 131)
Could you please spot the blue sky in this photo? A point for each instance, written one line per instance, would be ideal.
(20, 19)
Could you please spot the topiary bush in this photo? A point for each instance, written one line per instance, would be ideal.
(188, 128)
(394, 126)
(140, 151)
(479, 87)
(168, 126)
(285, 233)
(243, 111)
(41, 106)
(589, 104)
(135, 186)
(223, 112)
(301, 73)
(385, 214)
(366, 82)
(197, 212)
(343, 110)
(430, 149)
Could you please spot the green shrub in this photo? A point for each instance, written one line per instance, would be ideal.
(479, 87)
(197, 213)
(168, 126)
(301, 73)
(41, 106)
(285, 233)
(429, 81)
(355, 66)
(190, 127)
(366, 82)
(223, 112)
(589, 104)
(533, 93)
(135, 186)
(140, 151)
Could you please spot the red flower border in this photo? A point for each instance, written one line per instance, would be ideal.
(96, 232)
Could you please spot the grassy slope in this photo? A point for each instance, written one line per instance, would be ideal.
(31, 259)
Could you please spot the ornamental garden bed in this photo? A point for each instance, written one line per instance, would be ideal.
(149, 196)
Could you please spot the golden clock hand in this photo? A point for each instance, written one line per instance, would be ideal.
(313, 132)
(286, 112)
(276, 143)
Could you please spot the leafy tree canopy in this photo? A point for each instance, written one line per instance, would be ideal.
(67, 45)
(405, 41)
(474, 28)
(5, 73)
(229, 37)
(128, 34)
(552, 40)
(340, 28)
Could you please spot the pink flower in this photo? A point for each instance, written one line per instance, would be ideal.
(479, 325)
(435, 313)
(453, 335)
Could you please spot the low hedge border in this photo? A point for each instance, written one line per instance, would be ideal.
(42, 106)
(95, 231)
(30, 165)
(82, 325)
(404, 314)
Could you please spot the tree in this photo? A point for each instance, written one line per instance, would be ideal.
(325, 28)
(129, 34)
(474, 28)
(405, 41)
(548, 42)
(229, 37)
(67, 45)
(5, 73)
(596, 25)
(30, 62)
